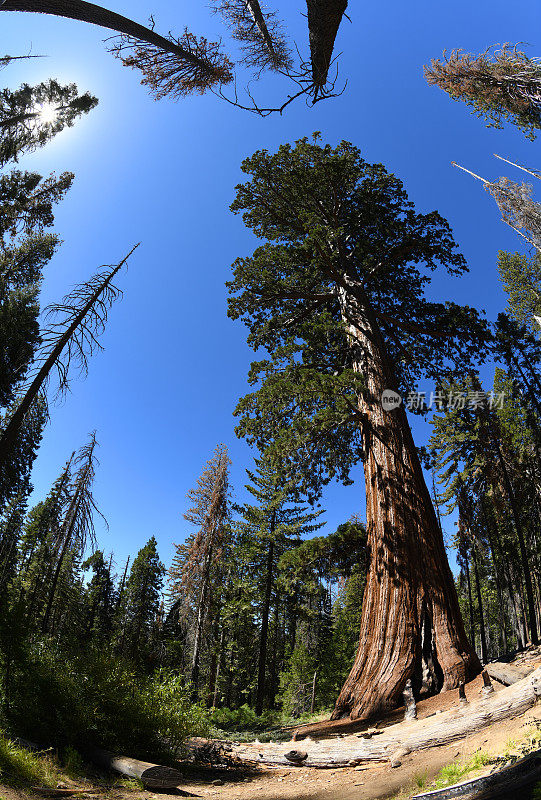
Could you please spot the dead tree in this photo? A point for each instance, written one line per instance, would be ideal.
(170, 65)
(71, 337)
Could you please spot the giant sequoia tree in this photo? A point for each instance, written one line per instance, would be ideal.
(336, 295)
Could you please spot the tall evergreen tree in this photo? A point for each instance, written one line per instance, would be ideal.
(469, 446)
(32, 115)
(337, 296)
(77, 527)
(141, 601)
(21, 270)
(326, 578)
(99, 598)
(37, 548)
(26, 201)
(521, 278)
(274, 524)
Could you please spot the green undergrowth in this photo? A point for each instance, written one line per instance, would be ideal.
(243, 725)
(22, 768)
(458, 770)
(91, 697)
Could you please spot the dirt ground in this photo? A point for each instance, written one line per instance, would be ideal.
(366, 782)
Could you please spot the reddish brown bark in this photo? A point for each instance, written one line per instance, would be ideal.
(411, 622)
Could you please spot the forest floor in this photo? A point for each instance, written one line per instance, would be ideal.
(470, 757)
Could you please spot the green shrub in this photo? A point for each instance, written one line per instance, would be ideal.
(95, 698)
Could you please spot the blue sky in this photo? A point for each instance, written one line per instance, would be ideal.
(161, 395)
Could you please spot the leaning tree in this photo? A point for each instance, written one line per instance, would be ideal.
(177, 66)
(500, 84)
(336, 296)
(68, 340)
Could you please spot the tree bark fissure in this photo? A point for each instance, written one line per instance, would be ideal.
(410, 588)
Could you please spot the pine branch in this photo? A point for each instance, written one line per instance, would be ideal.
(263, 42)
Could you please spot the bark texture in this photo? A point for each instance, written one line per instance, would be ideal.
(411, 625)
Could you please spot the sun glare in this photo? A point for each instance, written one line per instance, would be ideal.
(48, 112)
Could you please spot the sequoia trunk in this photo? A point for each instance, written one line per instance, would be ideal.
(411, 625)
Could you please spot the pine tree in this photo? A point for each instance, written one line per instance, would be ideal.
(141, 602)
(193, 572)
(32, 115)
(169, 65)
(36, 551)
(17, 464)
(263, 42)
(77, 528)
(326, 577)
(21, 270)
(336, 295)
(469, 447)
(521, 278)
(11, 524)
(500, 84)
(274, 524)
(99, 598)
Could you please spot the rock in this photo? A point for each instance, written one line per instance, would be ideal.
(218, 782)
(61, 785)
(395, 762)
(296, 756)
(354, 762)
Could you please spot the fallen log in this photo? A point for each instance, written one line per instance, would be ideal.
(153, 776)
(331, 727)
(47, 791)
(508, 674)
(508, 779)
(439, 730)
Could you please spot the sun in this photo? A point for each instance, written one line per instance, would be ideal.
(48, 112)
